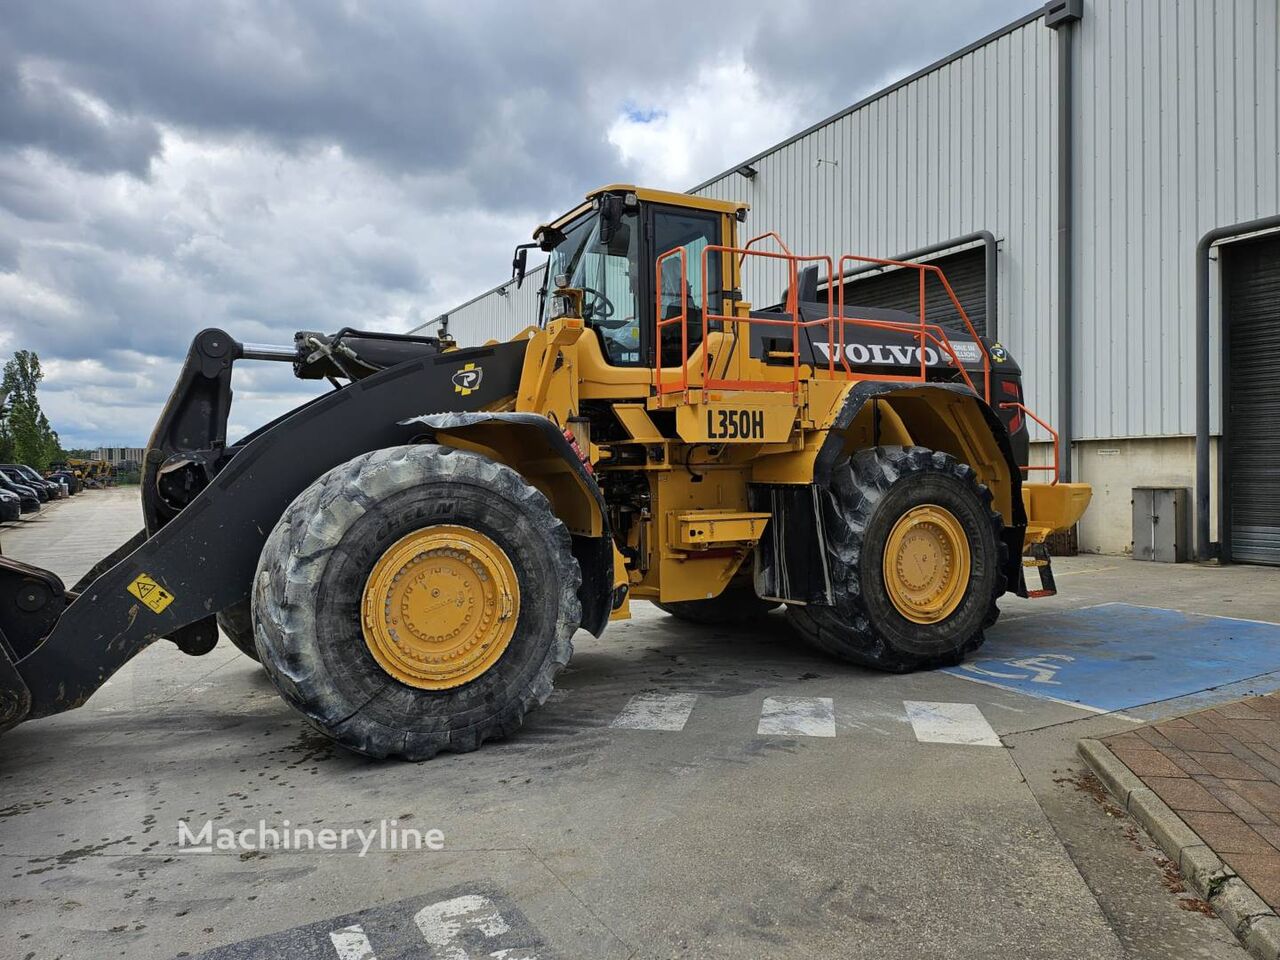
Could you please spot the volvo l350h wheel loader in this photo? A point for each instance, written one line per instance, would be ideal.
(411, 553)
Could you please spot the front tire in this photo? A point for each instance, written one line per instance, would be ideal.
(237, 623)
(418, 680)
(916, 561)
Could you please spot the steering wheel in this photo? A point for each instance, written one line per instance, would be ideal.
(601, 307)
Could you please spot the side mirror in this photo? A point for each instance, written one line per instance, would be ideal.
(518, 263)
(610, 217)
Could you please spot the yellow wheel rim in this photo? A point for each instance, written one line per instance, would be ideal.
(926, 564)
(440, 607)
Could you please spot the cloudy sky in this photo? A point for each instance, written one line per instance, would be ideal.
(274, 165)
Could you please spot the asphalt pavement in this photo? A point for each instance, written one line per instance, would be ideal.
(687, 792)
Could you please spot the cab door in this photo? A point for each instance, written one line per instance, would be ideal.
(668, 227)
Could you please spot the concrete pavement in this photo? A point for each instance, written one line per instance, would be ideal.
(687, 792)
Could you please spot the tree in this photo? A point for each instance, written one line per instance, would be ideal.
(26, 436)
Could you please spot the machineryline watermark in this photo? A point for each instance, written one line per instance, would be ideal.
(387, 836)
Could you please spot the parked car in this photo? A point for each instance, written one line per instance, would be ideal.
(10, 506)
(27, 496)
(32, 477)
(71, 481)
(42, 490)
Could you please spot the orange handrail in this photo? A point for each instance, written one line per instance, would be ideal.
(793, 308)
(682, 318)
(923, 269)
(926, 333)
(1010, 405)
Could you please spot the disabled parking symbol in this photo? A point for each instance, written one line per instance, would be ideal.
(1042, 669)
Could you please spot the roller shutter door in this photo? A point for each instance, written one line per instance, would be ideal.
(1252, 304)
(900, 290)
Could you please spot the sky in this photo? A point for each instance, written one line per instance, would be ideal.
(278, 165)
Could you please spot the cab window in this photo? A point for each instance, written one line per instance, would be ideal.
(695, 231)
(607, 273)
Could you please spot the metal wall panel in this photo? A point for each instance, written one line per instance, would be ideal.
(497, 314)
(1176, 134)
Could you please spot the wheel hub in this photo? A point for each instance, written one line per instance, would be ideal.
(926, 564)
(440, 606)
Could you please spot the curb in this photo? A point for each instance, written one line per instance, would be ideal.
(1254, 923)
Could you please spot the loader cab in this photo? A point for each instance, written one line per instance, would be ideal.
(604, 267)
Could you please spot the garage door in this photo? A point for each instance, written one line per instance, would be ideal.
(1252, 303)
(900, 290)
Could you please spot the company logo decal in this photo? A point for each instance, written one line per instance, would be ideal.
(897, 354)
(466, 381)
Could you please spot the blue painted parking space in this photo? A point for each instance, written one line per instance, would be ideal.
(1117, 655)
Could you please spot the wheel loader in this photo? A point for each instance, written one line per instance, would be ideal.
(410, 553)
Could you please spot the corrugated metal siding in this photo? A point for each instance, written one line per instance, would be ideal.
(492, 316)
(967, 147)
(1177, 117)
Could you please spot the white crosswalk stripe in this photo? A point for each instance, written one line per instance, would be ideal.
(798, 717)
(352, 944)
(656, 711)
(961, 723)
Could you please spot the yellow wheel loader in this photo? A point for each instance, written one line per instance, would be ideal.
(410, 554)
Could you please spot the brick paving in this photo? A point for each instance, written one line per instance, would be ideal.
(1219, 770)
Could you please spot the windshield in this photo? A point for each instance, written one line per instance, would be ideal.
(608, 276)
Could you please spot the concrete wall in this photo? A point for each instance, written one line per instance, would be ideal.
(1114, 468)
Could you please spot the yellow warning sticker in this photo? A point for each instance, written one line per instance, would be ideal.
(151, 593)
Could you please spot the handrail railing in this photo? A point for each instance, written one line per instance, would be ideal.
(793, 309)
(924, 269)
(925, 333)
(682, 318)
(1010, 405)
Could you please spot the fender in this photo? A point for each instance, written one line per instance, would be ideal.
(866, 391)
(536, 448)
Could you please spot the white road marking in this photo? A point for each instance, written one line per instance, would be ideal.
(798, 717)
(964, 675)
(1207, 616)
(447, 924)
(950, 723)
(656, 711)
(351, 944)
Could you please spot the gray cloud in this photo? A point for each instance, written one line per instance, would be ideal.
(167, 165)
(39, 111)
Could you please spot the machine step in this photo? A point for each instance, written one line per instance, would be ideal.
(704, 529)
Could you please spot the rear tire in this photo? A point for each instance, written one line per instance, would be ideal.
(737, 603)
(307, 600)
(237, 623)
(872, 493)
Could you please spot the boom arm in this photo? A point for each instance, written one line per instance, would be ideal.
(201, 559)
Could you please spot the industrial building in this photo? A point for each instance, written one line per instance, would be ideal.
(1100, 180)
(121, 456)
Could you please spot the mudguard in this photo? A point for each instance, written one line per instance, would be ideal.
(1015, 526)
(795, 567)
